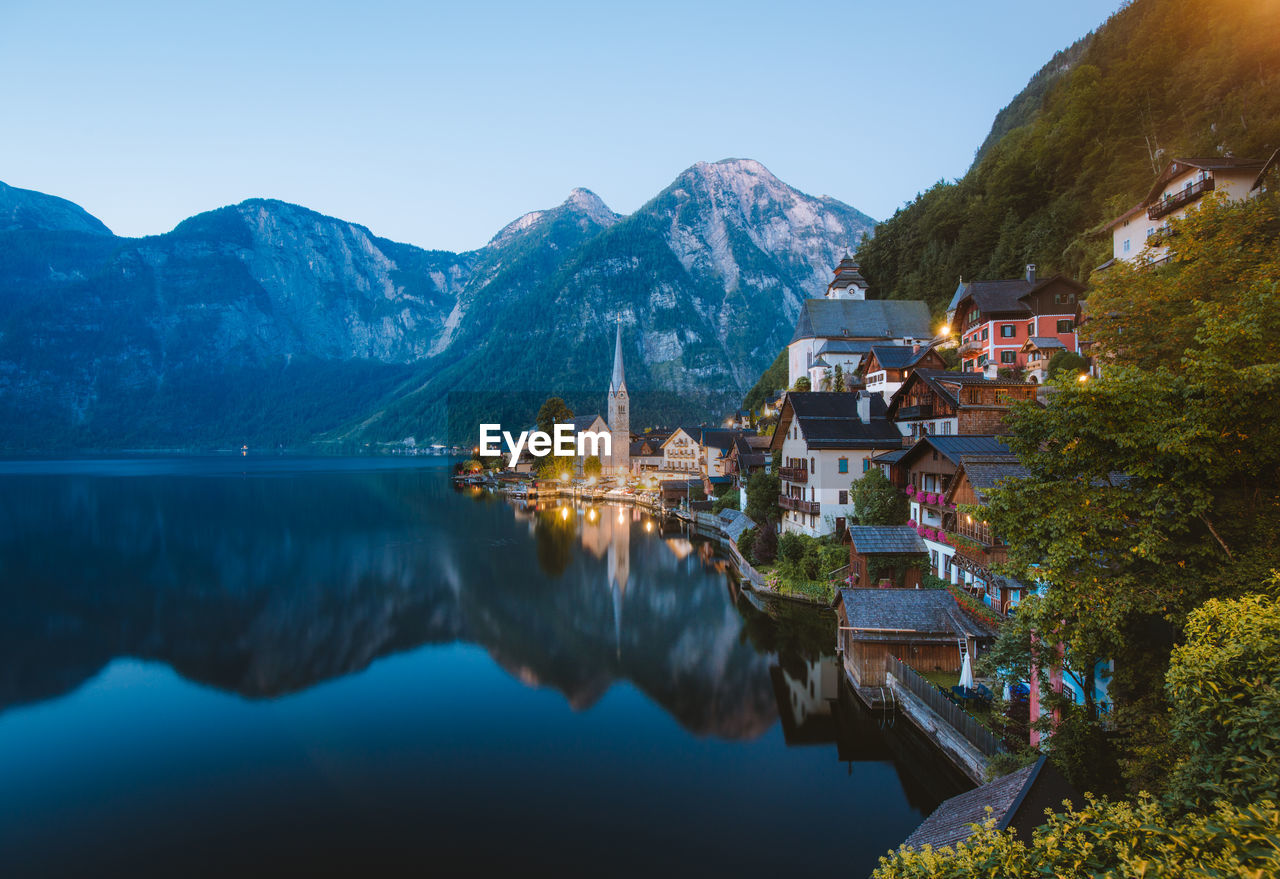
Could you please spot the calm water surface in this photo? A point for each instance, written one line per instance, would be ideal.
(281, 666)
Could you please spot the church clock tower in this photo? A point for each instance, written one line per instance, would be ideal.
(619, 414)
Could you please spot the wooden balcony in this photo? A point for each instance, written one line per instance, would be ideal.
(911, 413)
(973, 346)
(797, 505)
(794, 474)
(1180, 198)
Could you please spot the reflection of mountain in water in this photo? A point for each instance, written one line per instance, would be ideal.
(267, 585)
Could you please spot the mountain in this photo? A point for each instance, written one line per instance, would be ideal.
(267, 323)
(30, 210)
(1161, 78)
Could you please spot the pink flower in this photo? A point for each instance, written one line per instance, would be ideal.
(911, 490)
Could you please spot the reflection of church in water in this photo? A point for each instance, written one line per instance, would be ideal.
(606, 533)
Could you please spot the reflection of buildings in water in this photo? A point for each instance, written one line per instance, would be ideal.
(805, 691)
(606, 533)
(680, 547)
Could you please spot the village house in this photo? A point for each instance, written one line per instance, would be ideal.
(994, 318)
(1037, 351)
(886, 367)
(885, 556)
(924, 628)
(646, 453)
(825, 440)
(934, 401)
(927, 470)
(750, 454)
(1137, 233)
(699, 450)
(978, 550)
(840, 328)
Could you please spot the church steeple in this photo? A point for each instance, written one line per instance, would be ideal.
(619, 418)
(618, 384)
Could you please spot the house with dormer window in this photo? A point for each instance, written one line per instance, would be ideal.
(994, 319)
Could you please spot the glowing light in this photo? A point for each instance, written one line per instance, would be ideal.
(944, 330)
(648, 525)
(621, 518)
(564, 513)
(1084, 377)
(564, 477)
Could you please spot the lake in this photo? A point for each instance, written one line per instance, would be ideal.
(225, 665)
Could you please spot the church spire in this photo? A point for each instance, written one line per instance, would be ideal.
(618, 384)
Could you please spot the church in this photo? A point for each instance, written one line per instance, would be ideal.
(618, 423)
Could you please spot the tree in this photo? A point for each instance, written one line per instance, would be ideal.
(877, 501)
(591, 466)
(1224, 690)
(770, 384)
(766, 545)
(801, 385)
(762, 498)
(554, 467)
(839, 380)
(1163, 477)
(1067, 361)
(554, 411)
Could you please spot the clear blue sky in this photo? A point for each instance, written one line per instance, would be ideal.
(437, 124)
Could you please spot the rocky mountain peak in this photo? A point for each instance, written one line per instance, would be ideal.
(30, 210)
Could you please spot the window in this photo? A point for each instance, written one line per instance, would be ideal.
(1064, 298)
(866, 464)
(844, 467)
(1066, 325)
(973, 315)
(972, 395)
(844, 497)
(982, 360)
(1008, 331)
(946, 428)
(984, 334)
(1125, 249)
(1008, 356)
(1031, 328)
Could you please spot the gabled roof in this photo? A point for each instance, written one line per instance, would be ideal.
(1008, 297)
(984, 472)
(1178, 167)
(1136, 209)
(710, 437)
(1267, 166)
(582, 422)
(956, 296)
(844, 346)
(890, 457)
(829, 420)
(1043, 343)
(947, 383)
(955, 448)
(899, 356)
(637, 448)
(862, 318)
(871, 539)
(892, 614)
(1017, 799)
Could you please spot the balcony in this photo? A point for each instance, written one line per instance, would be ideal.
(797, 505)
(794, 474)
(1178, 199)
(911, 413)
(973, 346)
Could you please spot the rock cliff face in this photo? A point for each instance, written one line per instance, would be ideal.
(265, 322)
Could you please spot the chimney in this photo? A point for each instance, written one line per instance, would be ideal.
(1031, 272)
(915, 347)
(991, 370)
(864, 407)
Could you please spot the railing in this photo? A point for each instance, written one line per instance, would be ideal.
(960, 720)
(797, 505)
(973, 346)
(1178, 199)
(794, 474)
(924, 410)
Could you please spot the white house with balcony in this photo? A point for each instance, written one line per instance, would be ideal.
(826, 440)
(1137, 232)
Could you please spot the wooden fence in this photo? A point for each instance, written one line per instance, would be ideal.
(960, 720)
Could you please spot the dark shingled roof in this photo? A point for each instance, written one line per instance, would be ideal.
(898, 356)
(1043, 342)
(582, 422)
(922, 611)
(997, 297)
(1017, 800)
(984, 471)
(844, 346)
(862, 318)
(829, 420)
(954, 448)
(892, 457)
(870, 539)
